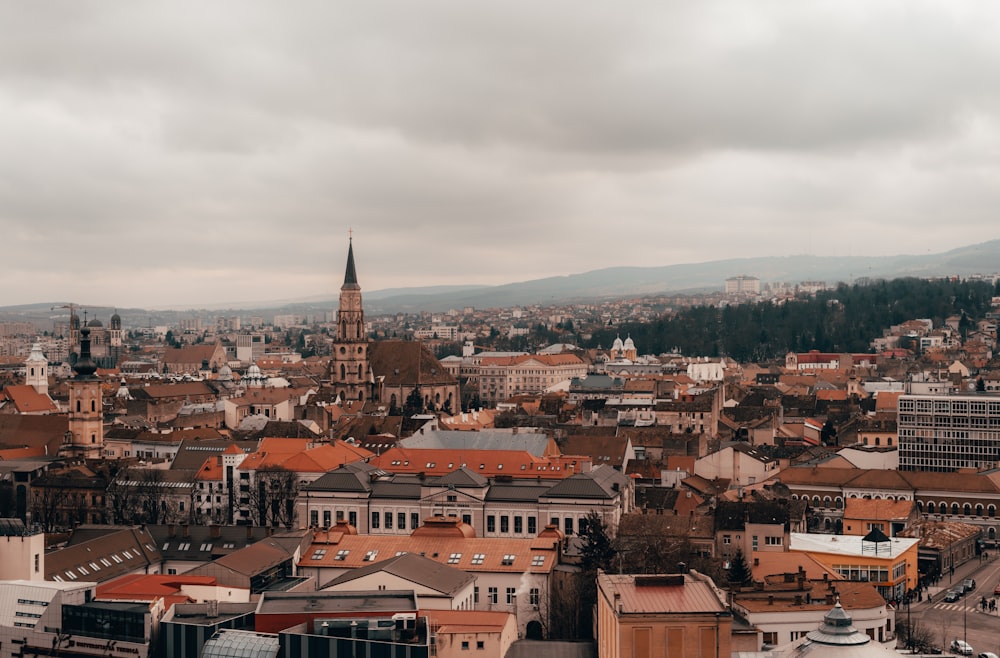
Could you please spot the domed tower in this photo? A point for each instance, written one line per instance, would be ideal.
(616, 348)
(85, 437)
(349, 368)
(628, 349)
(36, 369)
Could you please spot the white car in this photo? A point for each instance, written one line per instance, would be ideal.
(961, 647)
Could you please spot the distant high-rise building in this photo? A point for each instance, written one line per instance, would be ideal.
(743, 285)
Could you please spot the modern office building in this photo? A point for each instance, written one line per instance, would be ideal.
(945, 433)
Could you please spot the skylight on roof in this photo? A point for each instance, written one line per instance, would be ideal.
(538, 560)
(454, 558)
(370, 555)
(341, 555)
(319, 554)
(478, 558)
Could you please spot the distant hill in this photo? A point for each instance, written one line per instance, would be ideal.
(613, 282)
(982, 258)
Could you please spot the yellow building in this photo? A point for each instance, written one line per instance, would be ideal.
(660, 616)
(888, 564)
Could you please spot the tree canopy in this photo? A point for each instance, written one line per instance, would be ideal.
(844, 319)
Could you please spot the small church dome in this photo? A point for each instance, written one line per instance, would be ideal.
(95, 323)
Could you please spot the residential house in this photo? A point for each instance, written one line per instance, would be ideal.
(739, 463)
(437, 586)
(787, 606)
(639, 615)
(512, 575)
(193, 359)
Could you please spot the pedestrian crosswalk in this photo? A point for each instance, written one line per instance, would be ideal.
(957, 606)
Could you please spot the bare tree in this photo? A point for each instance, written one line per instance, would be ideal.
(645, 545)
(564, 608)
(46, 500)
(914, 635)
(272, 497)
(142, 496)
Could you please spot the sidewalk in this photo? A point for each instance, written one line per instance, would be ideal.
(969, 569)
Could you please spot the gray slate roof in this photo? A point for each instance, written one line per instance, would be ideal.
(527, 440)
(463, 477)
(416, 569)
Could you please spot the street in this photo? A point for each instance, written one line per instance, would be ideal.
(964, 618)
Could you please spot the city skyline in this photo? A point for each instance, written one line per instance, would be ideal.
(153, 160)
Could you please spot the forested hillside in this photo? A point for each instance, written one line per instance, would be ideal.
(845, 319)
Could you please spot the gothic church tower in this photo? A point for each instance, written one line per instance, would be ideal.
(349, 369)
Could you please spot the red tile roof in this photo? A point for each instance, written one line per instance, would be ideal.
(27, 400)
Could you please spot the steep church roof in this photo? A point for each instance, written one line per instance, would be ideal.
(351, 275)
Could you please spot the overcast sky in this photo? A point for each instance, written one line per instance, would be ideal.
(195, 153)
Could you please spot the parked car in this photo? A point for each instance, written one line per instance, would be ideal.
(987, 654)
(953, 595)
(969, 584)
(961, 647)
(996, 590)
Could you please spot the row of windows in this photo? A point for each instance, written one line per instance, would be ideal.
(519, 524)
(949, 406)
(493, 595)
(387, 517)
(352, 518)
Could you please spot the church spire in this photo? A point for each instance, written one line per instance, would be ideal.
(351, 275)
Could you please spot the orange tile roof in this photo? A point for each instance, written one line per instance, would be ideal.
(296, 455)
(152, 587)
(767, 563)
(534, 555)
(488, 463)
(887, 400)
(882, 510)
(467, 621)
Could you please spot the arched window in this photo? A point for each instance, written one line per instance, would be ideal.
(361, 395)
(78, 408)
(343, 372)
(359, 371)
(920, 505)
(795, 496)
(979, 509)
(93, 405)
(991, 510)
(826, 501)
(954, 508)
(826, 524)
(967, 509)
(839, 502)
(931, 507)
(815, 501)
(992, 533)
(392, 401)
